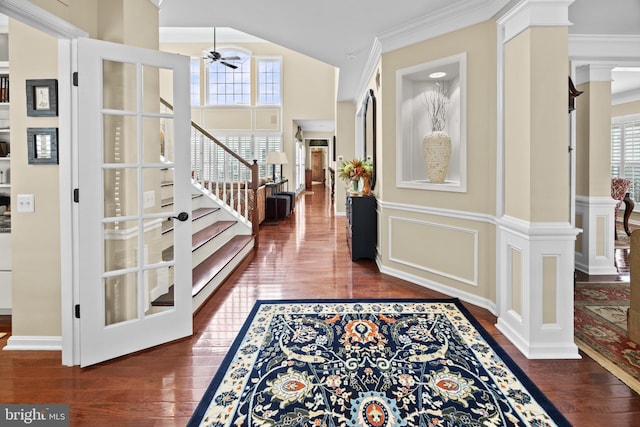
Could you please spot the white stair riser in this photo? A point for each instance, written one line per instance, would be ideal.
(204, 251)
(202, 296)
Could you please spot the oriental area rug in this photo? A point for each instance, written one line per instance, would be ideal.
(369, 363)
(601, 329)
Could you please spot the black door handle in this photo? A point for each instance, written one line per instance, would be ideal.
(182, 216)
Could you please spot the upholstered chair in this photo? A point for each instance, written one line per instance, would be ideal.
(619, 188)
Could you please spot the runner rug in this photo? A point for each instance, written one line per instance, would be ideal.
(369, 363)
(601, 329)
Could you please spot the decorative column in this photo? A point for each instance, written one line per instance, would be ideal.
(594, 205)
(535, 236)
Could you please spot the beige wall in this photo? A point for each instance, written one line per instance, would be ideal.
(593, 139)
(473, 239)
(536, 126)
(479, 41)
(345, 147)
(81, 13)
(625, 109)
(35, 237)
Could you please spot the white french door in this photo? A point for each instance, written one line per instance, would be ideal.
(133, 170)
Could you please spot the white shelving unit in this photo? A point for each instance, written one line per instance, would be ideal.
(5, 173)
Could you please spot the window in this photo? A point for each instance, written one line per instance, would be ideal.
(269, 81)
(625, 152)
(228, 86)
(263, 145)
(195, 81)
(251, 148)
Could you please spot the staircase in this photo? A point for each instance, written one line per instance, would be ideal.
(223, 234)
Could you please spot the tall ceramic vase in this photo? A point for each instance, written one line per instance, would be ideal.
(437, 152)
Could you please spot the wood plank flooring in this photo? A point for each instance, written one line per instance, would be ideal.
(304, 257)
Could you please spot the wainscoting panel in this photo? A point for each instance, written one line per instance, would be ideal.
(433, 254)
(267, 119)
(221, 119)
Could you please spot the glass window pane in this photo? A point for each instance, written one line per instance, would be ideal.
(160, 294)
(120, 139)
(120, 245)
(158, 189)
(120, 192)
(195, 81)
(151, 78)
(269, 82)
(153, 139)
(121, 298)
(119, 86)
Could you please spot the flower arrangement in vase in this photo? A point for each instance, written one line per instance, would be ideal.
(437, 145)
(355, 170)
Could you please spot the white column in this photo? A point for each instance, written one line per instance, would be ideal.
(535, 238)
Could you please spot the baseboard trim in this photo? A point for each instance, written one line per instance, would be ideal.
(34, 343)
(438, 287)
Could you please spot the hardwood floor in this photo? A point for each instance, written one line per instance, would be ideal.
(304, 257)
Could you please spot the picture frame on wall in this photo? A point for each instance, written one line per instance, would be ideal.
(42, 97)
(42, 146)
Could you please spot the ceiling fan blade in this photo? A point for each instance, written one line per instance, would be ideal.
(229, 65)
(231, 58)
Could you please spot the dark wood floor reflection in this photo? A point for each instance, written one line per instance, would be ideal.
(304, 257)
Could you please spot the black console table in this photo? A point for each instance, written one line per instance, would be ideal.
(276, 187)
(362, 226)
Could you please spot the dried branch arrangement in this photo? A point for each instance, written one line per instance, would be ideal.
(436, 102)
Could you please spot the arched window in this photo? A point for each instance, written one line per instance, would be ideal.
(226, 85)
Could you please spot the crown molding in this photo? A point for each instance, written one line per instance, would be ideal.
(604, 46)
(593, 73)
(626, 97)
(454, 17)
(30, 14)
(370, 67)
(535, 13)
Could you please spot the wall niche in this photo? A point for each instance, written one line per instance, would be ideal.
(416, 87)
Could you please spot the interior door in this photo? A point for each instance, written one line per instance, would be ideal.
(133, 196)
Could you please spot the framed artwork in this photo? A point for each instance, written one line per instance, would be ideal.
(334, 148)
(42, 146)
(42, 98)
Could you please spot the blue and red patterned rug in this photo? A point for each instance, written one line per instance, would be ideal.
(369, 363)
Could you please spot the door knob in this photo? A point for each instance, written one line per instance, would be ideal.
(182, 216)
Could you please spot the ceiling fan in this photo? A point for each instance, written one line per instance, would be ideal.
(215, 56)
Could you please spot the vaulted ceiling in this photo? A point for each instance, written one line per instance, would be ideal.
(345, 33)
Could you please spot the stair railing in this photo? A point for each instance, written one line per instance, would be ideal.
(224, 174)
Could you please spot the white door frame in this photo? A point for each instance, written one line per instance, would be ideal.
(34, 16)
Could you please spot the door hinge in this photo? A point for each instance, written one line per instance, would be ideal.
(75, 78)
(77, 311)
(76, 195)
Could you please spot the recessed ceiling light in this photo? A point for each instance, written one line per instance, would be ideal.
(437, 75)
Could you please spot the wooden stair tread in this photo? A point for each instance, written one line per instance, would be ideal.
(209, 268)
(201, 237)
(200, 212)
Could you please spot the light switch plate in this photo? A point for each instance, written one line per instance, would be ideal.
(149, 199)
(26, 203)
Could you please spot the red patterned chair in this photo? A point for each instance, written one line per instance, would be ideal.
(620, 193)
